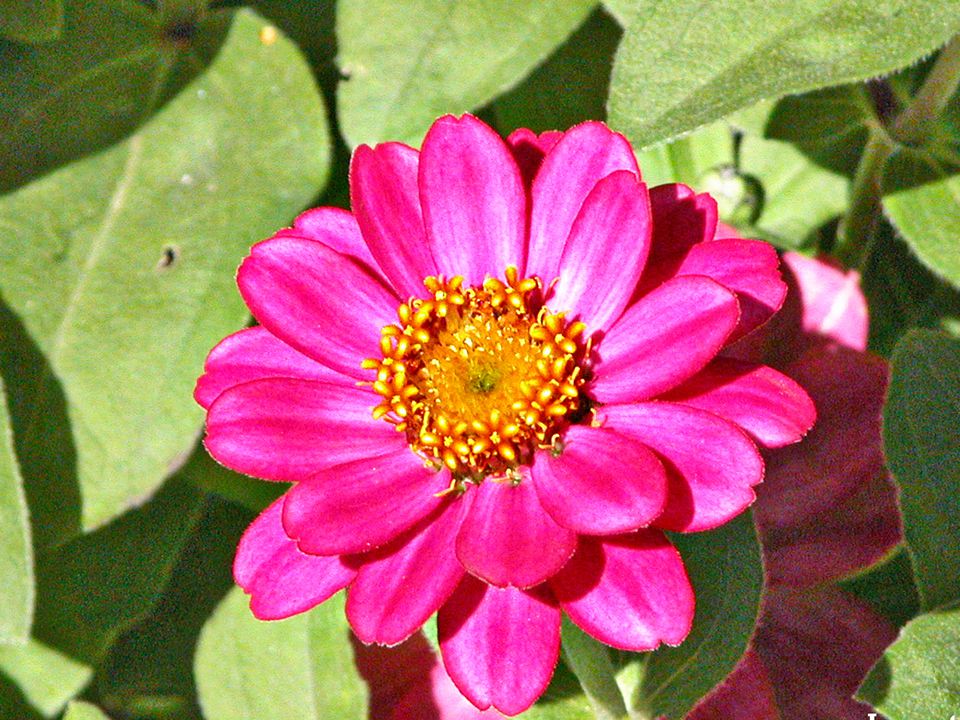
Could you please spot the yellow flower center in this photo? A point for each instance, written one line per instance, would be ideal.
(479, 378)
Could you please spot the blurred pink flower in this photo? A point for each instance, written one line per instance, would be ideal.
(494, 385)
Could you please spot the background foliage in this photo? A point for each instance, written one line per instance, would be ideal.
(146, 145)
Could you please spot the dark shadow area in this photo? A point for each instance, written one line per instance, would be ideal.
(114, 65)
(42, 434)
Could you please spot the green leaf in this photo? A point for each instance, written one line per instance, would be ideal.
(94, 587)
(16, 551)
(690, 159)
(902, 294)
(918, 676)
(921, 435)
(798, 195)
(889, 588)
(684, 63)
(408, 61)
(44, 680)
(118, 272)
(544, 101)
(79, 710)
(114, 64)
(149, 670)
(31, 21)
(922, 200)
(725, 569)
(295, 669)
(563, 700)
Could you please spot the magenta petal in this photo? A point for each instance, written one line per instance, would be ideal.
(474, 204)
(254, 354)
(316, 300)
(362, 505)
(614, 222)
(499, 645)
(402, 584)
(663, 339)
(712, 465)
(287, 430)
(748, 267)
(528, 150)
(817, 646)
(282, 580)
(508, 539)
(630, 592)
(602, 483)
(833, 304)
(681, 219)
(745, 694)
(334, 227)
(584, 156)
(770, 406)
(386, 199)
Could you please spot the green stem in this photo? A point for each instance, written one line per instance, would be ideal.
(590, 662)
(858, 225)
(913, 124)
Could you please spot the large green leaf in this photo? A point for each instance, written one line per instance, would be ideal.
(31, 21)
(118, 274)
(921, 434)
(725, 569)
(115, 62)
(918, 676)
(16, 553)
(544, 100)
(36, 679)
(683, 63)
(295, 669)
(408, 61)
(149, 669)
(690, 159)
(94, 587)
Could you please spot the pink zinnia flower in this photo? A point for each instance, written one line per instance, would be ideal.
(495, 384)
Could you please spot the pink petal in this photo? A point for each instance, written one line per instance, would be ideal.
(614, 222)
(770, 406)
(602, 483)
(508, 539)
(474, 204)
(828, 506)
(712, 465)
(528, 150)
(386, 199)
(334, 227)
(746, 694)
(748, 267)
(285, 429)
(663, 339)
(584, 156)
(281, 579)
(362, 505)
(254, 354)
(630, 592)
(817, 647)
(681, 219)
(499, 645)
(402, 584)
(317, 301)
(833, 304)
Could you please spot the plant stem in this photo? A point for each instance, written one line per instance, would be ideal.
(857, 227)
(938, 87)
(590, 662)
